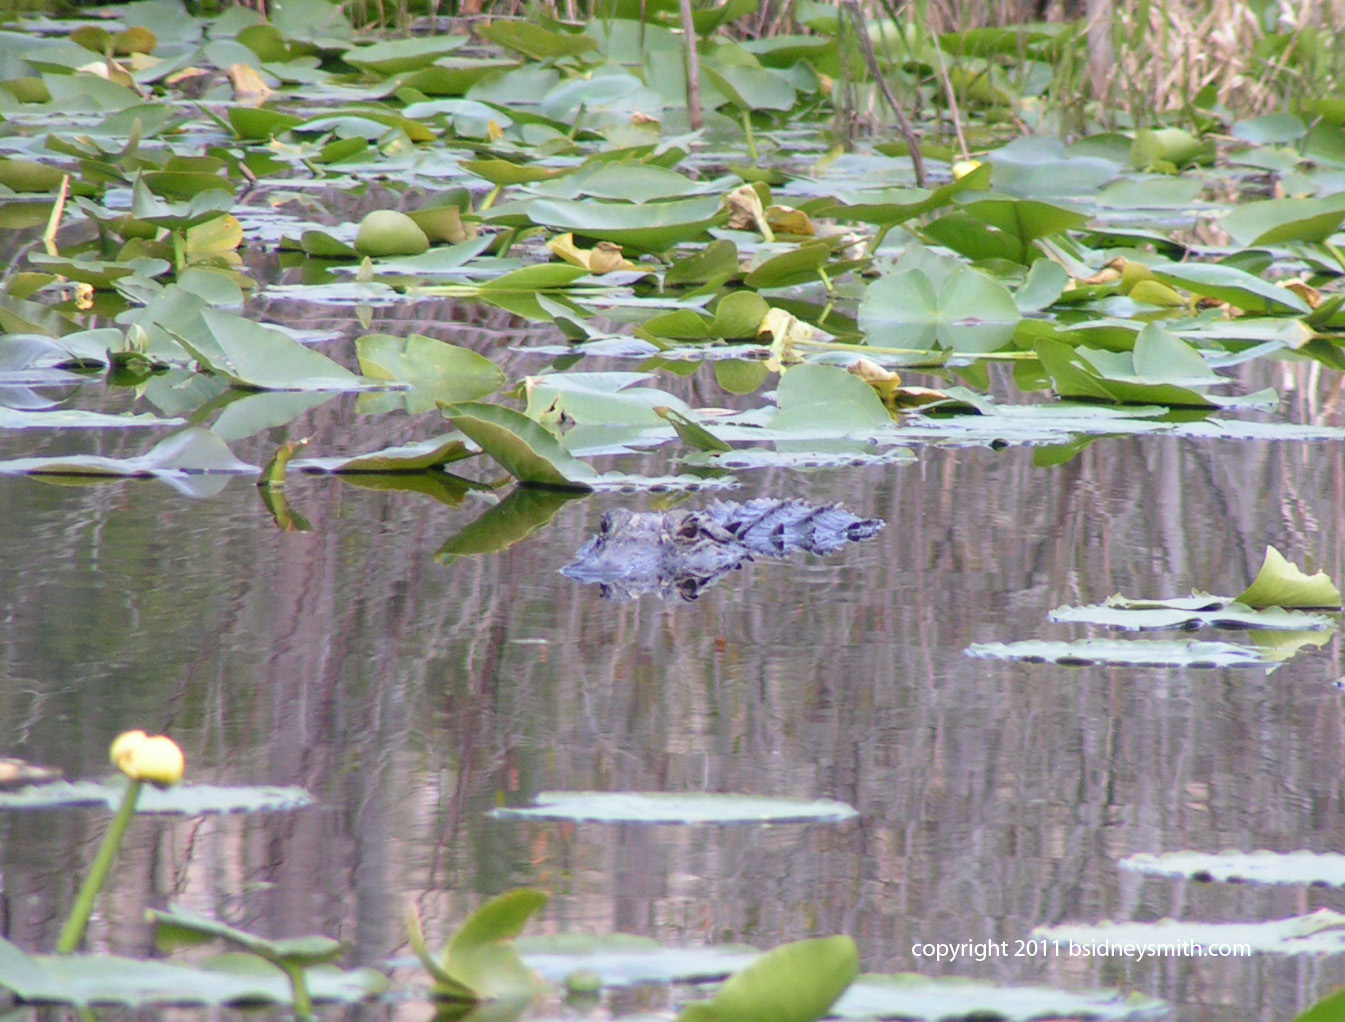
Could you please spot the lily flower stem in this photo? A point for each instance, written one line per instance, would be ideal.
(73, 931)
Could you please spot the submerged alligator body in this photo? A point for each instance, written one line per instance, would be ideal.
(683, 553)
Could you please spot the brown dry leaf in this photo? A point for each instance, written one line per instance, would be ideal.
(1305, 291)
(745, 209)
(249, 87)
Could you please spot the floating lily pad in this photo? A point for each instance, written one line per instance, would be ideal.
(413, 457)
(180, 800)
(623, 959)
(191, 451)
(1314, 869)
(668, 807)
(258, 357)
(941, 999)
(647, 227)
(233, 979)
(1217, 612)
(1317, 933)
(1125, 653)
(436, 370)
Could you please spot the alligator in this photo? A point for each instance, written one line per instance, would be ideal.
(683, 553)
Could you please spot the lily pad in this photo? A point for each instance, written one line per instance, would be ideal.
(646, 227)
(258, 357)
(1125, 653)
(965, 311)
(436, 370)
(1317, 933)
(232, 979)
(526, 450)
(797, 982)
(1217, 612)
(413, 457)
(943, 998)
(623, 959)
(180, 800)
(1313, 869)
(673, 808)
(1281, 584)
(191, 451)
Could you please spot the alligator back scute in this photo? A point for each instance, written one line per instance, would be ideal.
(683, 553)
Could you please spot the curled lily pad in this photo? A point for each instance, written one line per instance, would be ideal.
(526, 450)
(1315, 869)
(192, 450)
(668, 807)
(797, 982)
(1281, 584)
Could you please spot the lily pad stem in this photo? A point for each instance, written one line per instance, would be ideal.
(751, 138)
(73, 931)
(303, 1002)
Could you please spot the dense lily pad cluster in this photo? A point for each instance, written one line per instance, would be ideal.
(549, 169)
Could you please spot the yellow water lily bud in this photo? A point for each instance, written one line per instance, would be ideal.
(123, 744)
(153, 758)
(1133, 273)
(964, 167)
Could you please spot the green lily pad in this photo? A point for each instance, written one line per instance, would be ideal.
(179, 800)
(1281, 584)
(1309, 869)
(526, 450)
(257, 357)
(231, 979)
(942, 998)
(397, 56)
(797, 982)
(1276, 221)
(436, 370)
(192, 451)
(624, 960)
(1219, 612)
(965, 311)
(418, 456)
(672, 808)
(645, 227)
(1126, 653)
(1228, 284)
(480, 962)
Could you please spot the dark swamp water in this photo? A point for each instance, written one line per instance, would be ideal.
(413, 694)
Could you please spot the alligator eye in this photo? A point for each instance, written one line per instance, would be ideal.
(688, 529)
(605, 527)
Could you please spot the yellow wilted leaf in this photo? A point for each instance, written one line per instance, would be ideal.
(788, 220)
(493, 130)
(605, 257)
(783, 329)
(1154, 293)
(884, 381)
(249, 87)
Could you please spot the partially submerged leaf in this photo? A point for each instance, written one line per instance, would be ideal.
(1317, 933)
